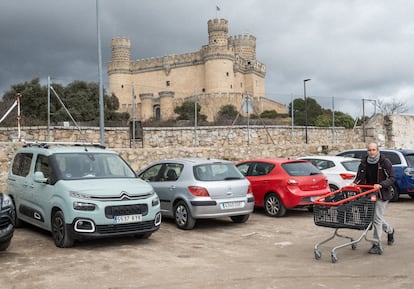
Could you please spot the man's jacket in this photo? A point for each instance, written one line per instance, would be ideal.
(385, 176)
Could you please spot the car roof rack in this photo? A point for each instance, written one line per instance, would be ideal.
(47, 144)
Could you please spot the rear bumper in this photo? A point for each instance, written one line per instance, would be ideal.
(216, 209)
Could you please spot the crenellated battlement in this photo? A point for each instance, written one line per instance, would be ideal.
(215, 25)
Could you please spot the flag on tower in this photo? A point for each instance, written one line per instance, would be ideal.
(217, 8)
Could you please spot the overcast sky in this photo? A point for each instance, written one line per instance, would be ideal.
(351, 49)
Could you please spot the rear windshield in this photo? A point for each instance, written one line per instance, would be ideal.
(410, 160)
(301, 169)
(217, 172)
(351, 165)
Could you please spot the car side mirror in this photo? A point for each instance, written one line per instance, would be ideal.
(39, 177)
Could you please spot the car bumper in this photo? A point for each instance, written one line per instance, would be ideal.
(6, 233)
(83, 228)
(222, 207)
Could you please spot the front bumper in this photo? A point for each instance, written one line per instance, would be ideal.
(91, 230)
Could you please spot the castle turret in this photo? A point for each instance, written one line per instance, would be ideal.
(166, 105)
(146, 106)
(119, 72)
(244, 46)
(217, 32)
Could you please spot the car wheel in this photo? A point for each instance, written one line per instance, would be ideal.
(274, 206)
(395, 195)
(240, 219)
(4, 245)
(183, 217)
(60, 232)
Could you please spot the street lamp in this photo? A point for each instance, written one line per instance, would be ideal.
(306, 109)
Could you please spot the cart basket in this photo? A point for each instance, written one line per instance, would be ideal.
(351, 207)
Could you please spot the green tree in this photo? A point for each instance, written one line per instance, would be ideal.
(313, 110)
(269, 114)
(186, 111)
(79, 97)
(227, 112)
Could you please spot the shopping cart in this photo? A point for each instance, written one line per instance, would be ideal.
(351, 207)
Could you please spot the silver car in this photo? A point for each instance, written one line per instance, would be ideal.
(195, 188)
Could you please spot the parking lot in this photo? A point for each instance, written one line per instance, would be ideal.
(262, 253)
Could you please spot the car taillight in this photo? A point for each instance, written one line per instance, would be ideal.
(346, 176)
(249, 190)
(198, 191)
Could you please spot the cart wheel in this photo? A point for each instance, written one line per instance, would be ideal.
(334, 258)
(318, 254)
(354, 246)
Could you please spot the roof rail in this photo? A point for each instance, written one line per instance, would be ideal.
(46, 144)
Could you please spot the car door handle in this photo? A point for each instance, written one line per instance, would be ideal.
(172, 187)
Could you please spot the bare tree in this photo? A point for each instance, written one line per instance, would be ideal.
(391, 107)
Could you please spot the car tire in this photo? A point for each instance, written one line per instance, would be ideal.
(273, 206)
(240, 219)
(60, 232)
(395, 194)
(4, 245)
(183, 218)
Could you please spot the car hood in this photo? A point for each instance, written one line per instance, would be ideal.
(108, 187)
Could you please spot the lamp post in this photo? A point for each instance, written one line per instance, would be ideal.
(306, 109)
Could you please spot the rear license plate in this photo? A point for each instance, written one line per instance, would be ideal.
(127, 219)
(231, 205)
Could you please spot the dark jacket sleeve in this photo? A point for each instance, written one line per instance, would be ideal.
(389, 175)
(360, 177)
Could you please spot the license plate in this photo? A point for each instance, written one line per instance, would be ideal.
(232, 205)
(127, 219)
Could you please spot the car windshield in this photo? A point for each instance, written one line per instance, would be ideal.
(91, 165)
(300, 169)
(217, 172)
(351, 165)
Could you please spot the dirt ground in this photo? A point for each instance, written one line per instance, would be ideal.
(262, 253)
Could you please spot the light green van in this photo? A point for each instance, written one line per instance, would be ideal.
(80, 192)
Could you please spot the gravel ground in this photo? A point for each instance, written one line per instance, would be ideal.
(262, 253)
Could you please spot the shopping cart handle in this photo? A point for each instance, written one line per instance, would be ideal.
(368, 189)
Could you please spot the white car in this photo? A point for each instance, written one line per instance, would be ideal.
(340, 171)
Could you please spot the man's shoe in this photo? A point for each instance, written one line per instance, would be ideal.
(375, 249)
(391, 238)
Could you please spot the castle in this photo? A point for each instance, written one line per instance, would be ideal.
(223, 72)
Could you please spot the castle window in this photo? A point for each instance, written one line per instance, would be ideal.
(122, 86)
(167, 83)
(203, 90)
(241, 84)
(227, 74)
(231, 86)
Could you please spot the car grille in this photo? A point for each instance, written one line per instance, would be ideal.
(4, 222)
(124, 228)
(112, 211)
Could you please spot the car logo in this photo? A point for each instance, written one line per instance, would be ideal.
(124, 195)
(314, 180)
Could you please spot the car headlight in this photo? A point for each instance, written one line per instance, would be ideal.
(7, 202)
(79, 195)
(81, 206)
(155, 201)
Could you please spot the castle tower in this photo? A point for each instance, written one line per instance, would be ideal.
(217, 32)
(218, 58)
(119, 73)
(166, 105)
(244, 46)
(146, 106)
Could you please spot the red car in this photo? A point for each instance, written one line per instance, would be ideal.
(279, 184)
